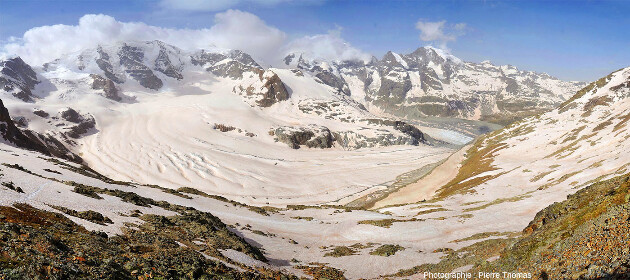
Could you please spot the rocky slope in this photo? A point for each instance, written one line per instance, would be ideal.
(17, 78)
(583, 237)
(431, 82)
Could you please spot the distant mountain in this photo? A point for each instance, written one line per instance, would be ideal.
(431, 82)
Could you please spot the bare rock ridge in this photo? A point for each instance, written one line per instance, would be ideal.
(13, 135)
(80, 124)
(273, 90)
(131, 58)
(108, 86)
(17, 78)
(30, 140)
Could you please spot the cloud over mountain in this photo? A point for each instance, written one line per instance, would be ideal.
(232, 29)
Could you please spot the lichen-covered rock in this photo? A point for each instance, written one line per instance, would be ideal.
(37, 244)
(583, 237)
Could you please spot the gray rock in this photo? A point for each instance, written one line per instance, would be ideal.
(164, 65)
(310, 136)
(109, 88)
(131, 59)
(274, 91)
(18, 78)
(104, 64)
(70, 115)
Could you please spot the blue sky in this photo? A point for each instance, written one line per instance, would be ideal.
(578, 40)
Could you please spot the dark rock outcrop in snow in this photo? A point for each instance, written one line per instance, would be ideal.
(131, 59)
(310, 136)
(30, 140)
(83, 123)
(109, 88)
(17, 78)
(273, 90)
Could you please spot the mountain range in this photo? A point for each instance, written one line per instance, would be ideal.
(173, 163)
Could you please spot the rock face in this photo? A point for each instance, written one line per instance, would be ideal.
(103, 62)
(163, 63)
(262, 88)
(273, 90)
(12, 134)
(109, 88)
(131, 59)
(431, 82)
(410, 130)
(230, 65)
(28, 139)
(81, 123)
(17, 78)
(311, 136)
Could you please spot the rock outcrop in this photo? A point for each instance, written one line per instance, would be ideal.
(108, 86)
(17, 78)
(81, 124)
(131, 58)
(310, 136)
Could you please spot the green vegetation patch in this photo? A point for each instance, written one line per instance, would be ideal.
(386, 223)
(583, 237)
(499, 201)
(89, 215)
(341, 251)
(424, 212)
(322, 271)
(387, 250)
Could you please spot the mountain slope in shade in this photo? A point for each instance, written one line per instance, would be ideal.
(17, 78)
(431, 82)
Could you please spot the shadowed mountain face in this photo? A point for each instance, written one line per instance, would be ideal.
(31, 140)
(17, 78)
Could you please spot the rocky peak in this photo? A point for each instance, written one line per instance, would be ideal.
(17, 78)
(232, 64)
(391, 60)
(131, 59)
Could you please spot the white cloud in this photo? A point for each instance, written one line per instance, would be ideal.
(232, 29)
(326, 46)
(439, 31)
(212, 5)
